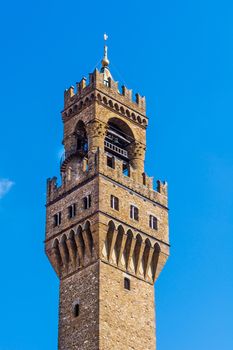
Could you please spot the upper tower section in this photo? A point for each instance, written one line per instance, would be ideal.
(115, 121)
(104, 132)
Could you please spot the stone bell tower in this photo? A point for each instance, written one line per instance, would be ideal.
(106, 227)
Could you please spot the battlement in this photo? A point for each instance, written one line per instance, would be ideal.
(99, 81)
(69, 181)
(142, 185)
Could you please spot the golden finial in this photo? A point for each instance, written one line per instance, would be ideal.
(105, 61)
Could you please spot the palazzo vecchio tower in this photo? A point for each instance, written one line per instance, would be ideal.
(106, 226)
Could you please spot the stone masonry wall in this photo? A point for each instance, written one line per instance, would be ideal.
(75, 197)
(127, 320)
(126, 198)
(82, 332)
(111, 317)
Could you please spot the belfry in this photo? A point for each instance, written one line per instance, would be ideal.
(106, 227)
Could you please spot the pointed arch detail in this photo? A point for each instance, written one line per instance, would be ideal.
(73, 250)
(131, 252)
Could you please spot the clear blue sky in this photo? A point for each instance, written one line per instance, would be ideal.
(180, 55)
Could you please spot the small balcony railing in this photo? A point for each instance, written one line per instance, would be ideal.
(116, 149)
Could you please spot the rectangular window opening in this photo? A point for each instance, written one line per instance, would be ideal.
(72, 211)
(127, 283)
(125, 169)
(134, 213)
(153, 222)
(57, 219)
(87, 202)
(114, 202)
(111, 161)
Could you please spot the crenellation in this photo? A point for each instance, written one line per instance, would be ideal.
(68, 94)
(91, 79)
(133, 181)
(51, 185)
(96, 81)
(162, 187)
(141, 101)
(127, 93)
(55, 192)
(113, 85)
(82, 85)
(143, 185)
(148, 181)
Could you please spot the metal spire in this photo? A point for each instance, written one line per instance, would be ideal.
(105, 60)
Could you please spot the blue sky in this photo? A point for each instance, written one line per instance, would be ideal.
(177, 53)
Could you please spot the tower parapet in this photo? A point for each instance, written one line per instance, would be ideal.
(143, 185)
(106, 92)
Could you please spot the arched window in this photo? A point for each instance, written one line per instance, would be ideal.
(119, 142)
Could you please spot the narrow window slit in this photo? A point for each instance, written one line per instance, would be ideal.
(76, 309)
(127, 283)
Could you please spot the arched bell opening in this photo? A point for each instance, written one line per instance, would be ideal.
(119, 143)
